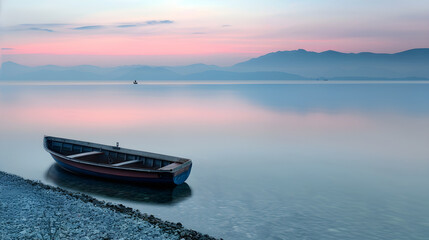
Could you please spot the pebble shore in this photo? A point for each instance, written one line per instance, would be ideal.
(32, 210)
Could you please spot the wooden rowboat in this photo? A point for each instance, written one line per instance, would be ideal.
(116, 163)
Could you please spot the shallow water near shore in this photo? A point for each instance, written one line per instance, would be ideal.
(284, 160)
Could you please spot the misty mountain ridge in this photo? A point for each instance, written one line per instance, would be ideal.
(414, 62)
(282, 65)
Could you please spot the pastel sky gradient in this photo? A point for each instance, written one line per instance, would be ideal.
(180, 32)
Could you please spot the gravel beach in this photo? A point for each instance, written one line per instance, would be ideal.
(32, 210)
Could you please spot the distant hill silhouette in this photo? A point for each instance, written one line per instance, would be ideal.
(411, 63)
(226, 75)
(283, 65)
(13, 71)
(194, 68)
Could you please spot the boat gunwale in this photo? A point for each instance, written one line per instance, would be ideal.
(184, 161)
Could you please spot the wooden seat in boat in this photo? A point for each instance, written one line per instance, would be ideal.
(170, 166)
(125, 163)
(85, 154)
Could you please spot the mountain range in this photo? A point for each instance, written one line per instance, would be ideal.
(283, 65)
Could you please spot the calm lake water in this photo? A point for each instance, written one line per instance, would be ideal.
(319, 160)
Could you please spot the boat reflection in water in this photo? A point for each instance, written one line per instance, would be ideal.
(117, 190)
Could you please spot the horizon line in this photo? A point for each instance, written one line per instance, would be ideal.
(196, 63)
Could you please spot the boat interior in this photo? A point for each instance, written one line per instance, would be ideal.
(100, 154)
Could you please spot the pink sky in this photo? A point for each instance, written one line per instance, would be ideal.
(184, 32)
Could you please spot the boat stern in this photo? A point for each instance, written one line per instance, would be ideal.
(181, 177)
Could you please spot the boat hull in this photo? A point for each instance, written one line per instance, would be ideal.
(127, 175)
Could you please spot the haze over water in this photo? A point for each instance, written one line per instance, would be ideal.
(271, 161)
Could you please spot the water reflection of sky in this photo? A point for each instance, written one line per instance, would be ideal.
(275, 160)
